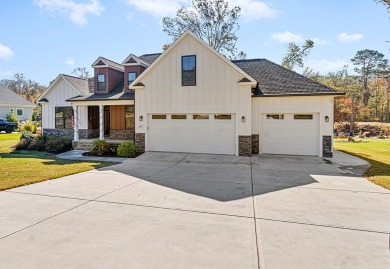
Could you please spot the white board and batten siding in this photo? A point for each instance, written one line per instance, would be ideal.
(292, 136)
(216, 92)
(57, 97)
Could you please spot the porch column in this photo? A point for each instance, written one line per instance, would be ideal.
(101, 122)
(76, 136)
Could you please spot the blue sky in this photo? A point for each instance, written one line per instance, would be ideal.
(42, 38)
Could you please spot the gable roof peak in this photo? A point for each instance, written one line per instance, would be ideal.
(107, 63)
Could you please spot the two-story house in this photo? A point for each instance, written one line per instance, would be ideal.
(190, 98)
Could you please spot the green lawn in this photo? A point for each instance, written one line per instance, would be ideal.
(375, 151)
(20, 168)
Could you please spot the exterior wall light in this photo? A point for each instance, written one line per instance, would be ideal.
(326, 119)
(243, 119)
(141, 118)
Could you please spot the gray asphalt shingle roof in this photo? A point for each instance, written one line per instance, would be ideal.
(274, 79)
(9, 97)
(149, 58)
(78, 83)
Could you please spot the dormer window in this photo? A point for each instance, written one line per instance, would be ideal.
(101, 82)
(188, 70)
(131, 76)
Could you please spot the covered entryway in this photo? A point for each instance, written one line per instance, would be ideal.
(288, 133)
(196, 133)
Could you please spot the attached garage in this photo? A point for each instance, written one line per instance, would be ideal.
(288, 133)
(195, 133)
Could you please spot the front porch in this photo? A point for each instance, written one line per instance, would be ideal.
(113, 123)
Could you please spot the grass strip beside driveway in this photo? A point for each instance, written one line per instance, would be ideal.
(18, 168)
(376, 152)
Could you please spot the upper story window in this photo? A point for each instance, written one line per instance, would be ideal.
(131, 76)
(101, 82)
(188, 70)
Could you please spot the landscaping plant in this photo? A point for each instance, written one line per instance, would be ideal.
(126, 149)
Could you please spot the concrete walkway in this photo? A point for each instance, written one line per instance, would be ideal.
(77, 155)
(176, 210)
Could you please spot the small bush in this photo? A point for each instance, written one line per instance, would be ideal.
(126, 149)
(23, 143)
(11, 117)
(100, 147)
(38, 143)
(28, 126)
(58, 144)
(26, 135)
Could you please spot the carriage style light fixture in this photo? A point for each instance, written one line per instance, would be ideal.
(326, 119)
(141, 118)
(243, 118)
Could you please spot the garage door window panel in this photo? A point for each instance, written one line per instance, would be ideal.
(223, 117)
(303, 116)
(275, 116)
(200, 117)
(179, 117)
(159, 117)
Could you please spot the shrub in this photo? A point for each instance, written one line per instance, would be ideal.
(23, 143)
(11, 117)
(26, 135)
(99, 147)
(126, 149)
(28, 126)
(38, 143)
(58, 144)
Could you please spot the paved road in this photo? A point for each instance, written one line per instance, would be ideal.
(172, 210)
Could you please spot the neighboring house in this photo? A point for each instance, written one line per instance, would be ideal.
(13, 102)
(193, 99)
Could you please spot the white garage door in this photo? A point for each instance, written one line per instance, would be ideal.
(196, 133)
(294, 134)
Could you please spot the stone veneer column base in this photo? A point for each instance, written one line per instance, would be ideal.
(140, 142)
(88, 133)
(255, 144)
(245, 145)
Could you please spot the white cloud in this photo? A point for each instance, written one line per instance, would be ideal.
(77, 12)
(347, 38)
(6, 73)
(69, 61)
(254, 10)
(325, 66)
(287, 37)
(319, 41)
(250, 9)
(5, 52)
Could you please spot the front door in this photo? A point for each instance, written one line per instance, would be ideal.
(107, 121)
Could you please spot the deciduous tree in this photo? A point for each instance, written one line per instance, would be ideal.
(213, 21)
(296, 54)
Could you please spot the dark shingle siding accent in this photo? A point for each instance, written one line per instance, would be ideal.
(274, 79)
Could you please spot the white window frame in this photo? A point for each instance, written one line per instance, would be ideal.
(17, 115)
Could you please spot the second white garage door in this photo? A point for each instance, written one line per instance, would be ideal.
(195, 133)
(293, 134)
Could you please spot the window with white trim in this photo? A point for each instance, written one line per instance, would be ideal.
(275, 116)
(19, 112)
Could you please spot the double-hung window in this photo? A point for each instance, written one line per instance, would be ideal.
(188, 70)
(131, 76)
(101, 82)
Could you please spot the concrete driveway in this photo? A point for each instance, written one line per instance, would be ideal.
(172, 210)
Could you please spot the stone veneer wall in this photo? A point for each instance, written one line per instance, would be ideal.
(59, 132)
(245, 145)
(88, 133)
(140, 142)
(327, 146)
(122, 134)
(255, 143)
